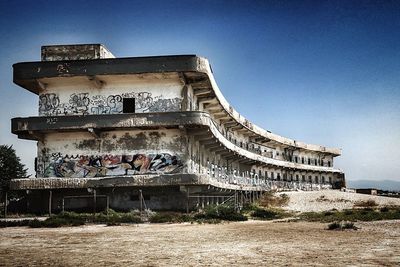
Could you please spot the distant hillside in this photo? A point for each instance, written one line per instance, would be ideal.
(384, 184)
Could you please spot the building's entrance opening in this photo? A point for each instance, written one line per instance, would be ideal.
(128, 105)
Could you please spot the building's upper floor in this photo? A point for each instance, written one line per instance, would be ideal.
(88, 80)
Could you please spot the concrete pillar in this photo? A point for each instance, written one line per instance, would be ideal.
(94, 204)
(187, 200)
(5, 204)
(50, 199)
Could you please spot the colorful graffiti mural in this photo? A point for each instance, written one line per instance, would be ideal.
(83, 104)
(77, 166)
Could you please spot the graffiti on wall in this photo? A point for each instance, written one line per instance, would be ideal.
(83, 104)
(77, 166)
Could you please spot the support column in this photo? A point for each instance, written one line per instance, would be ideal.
(141, 199)
(5, 204)
(94, 204)
(187, 199)
(108, 204)
(50, 199)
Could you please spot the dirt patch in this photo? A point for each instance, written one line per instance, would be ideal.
(243, 243)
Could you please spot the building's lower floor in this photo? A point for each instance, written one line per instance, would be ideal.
(139, 192)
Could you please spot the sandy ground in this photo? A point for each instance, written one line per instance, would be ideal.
(255, 242)
(305, 201)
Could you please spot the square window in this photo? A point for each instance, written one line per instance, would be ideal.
(128, 105)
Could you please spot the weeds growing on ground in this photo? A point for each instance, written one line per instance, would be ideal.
(366, 214)
(270, 199)
(370, 203)
(342, 226)
(220, 212)
(170, 217)
(264, 213)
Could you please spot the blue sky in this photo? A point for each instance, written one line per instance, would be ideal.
(324, 72)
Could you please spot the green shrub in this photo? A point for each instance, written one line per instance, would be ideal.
(221, 212)
(161, 218)
(35, 223)
(328, 213)
(264, 214)
(349, 225)
(334, 226)
(348, 212)
(170, 217)
(14, 223)
(269, 199)
(248, 207)
(113, 223)
(366, 214)
(384, 209)
(366, 203)
(342, 226)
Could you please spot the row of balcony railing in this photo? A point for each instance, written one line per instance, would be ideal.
(249, 179)
(268, 153)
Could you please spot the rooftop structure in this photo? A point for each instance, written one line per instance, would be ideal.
(156, 129)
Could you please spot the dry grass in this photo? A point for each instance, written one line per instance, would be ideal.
(252, 243)
(270, 200)
(370, 203)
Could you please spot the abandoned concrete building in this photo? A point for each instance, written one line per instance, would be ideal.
(150, 131)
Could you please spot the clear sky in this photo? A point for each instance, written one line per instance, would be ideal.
(322, 72)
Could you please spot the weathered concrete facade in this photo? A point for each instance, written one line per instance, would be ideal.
(159, 123)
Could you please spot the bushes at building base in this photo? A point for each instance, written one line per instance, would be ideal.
(266, 214)
(170, 217)
(220, 212)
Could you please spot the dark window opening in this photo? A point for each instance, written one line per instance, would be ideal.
(128, 105)
(329, 163)
(302, 160)
(309, 161)
(296, 159)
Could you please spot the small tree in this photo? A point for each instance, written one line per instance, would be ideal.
(10, 167)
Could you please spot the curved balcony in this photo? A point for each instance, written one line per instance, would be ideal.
(194, 121)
